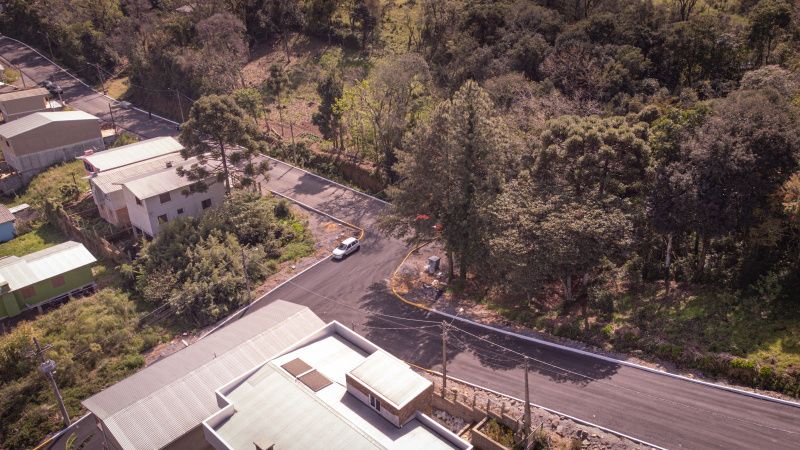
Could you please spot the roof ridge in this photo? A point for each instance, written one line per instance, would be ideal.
(171, 383)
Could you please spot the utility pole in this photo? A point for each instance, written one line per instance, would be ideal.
(246, 278)
(444, 358)
(180, 107)
(47, 367)
(527, 407)
(113, 122)
(102, 80)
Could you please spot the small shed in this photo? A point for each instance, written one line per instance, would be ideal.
(14, 105)
(45, 276)
(6, 224)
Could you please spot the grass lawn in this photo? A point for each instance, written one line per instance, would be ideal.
(48, 184)
(39, 238)
(118, 87)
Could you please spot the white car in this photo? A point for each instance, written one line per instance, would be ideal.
(347, 246)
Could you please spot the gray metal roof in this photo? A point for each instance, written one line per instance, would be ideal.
(390, 378)
(133, 153)
(24, 93)
(166, 180)
(6, 215)
(23, 271)
(112, 180)
(163, 401)
(37, 120)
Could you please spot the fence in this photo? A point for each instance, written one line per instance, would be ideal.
(96, 244)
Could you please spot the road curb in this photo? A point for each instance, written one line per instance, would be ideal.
(552, 411)
(311, 208)
(579, 351)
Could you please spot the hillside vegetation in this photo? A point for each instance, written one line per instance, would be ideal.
(621, 170)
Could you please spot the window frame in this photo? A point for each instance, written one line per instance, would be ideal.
(203, 203)
(162, 219)
(58, 281)
(161, 198)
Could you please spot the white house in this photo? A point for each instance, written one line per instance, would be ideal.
(161, 196)
(107, 186)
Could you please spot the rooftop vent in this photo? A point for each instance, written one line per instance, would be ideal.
(169, 164)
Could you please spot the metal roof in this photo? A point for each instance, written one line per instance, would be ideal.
(25, 93)
(273, 406)
(6, 215)
(133, 153)
(44, 264)
(163, 401)
(390, 378)
(111, 180)
(37, 120)
(166, 180)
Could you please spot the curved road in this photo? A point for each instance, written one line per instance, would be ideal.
(665, 411)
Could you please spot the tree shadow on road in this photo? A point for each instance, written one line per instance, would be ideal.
(416, 337)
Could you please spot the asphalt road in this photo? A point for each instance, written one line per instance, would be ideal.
(662, 410)
(80, 96)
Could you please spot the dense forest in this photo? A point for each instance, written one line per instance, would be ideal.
(574, 150)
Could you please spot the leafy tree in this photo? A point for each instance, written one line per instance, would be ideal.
(225, 142)
(767, 19)
(379, 110)
(250, 100)
(274, 88)
(319, 14)
(450, 169)
(540, 238)
(327, 118)
(223, 52)
(594, 157)
(366, 14)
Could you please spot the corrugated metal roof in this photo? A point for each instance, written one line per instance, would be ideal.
(164, 181)
(6, 215)
(112, 180)
(390, 378)
(25, 93)
(163, 401)
(133, 153)
(36, 120)
(44, 264)
(278, 411)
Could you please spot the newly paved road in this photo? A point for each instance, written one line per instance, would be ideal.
(664, 411)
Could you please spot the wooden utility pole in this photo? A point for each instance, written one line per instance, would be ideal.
(100, 77)
(246, 278)
(113, 122)
(444, 358)
(527, 406)
(180, 106)
(47, 367)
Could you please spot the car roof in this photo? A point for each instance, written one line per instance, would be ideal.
(349, 240)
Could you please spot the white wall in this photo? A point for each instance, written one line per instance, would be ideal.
(145, 216)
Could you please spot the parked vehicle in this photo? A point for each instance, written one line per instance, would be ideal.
(347, 247)
(55, 89)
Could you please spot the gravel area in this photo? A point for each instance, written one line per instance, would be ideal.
(562, 432)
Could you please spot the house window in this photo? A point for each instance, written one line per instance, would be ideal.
(58, 281)
(28, 291)
(206, 203)
(138, 202)
(374, 402)
(164, 198)
(180, 210)
(162, 218)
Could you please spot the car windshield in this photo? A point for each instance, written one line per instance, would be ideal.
(342, 246)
